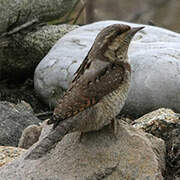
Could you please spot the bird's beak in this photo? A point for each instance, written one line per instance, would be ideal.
(133, 31)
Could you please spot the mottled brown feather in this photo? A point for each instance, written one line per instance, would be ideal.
(82, 94)
(96, 77)
(99, 89)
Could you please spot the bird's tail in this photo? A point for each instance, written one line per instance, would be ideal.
(47, 143)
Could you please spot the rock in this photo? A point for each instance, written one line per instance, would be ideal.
(29, 136)
(45, 129)
(165, 124)
(154, 56)
(13, 120)
(8, 154)
(173, 153)
(140, 12)
(15, 13)
(19, 60)
(159, 123)
(33, 133)
(99, 155)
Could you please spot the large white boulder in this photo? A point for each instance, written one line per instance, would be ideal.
(154, 55)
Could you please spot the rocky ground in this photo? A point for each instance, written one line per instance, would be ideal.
(15, 93)
(147, 147)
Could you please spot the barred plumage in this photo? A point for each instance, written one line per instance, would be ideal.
(98, 90)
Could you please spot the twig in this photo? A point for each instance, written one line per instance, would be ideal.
(79, 13)
(14, 23)
(17, 29)
(44, 114)
(72, 9)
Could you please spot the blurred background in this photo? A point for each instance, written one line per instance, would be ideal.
(163, 13)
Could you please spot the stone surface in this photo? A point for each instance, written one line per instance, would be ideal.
(154, 56)
(13, 120)
(33, 133)
(29, 136)
(165, 124)
(15, 13)
(45, 129)
(8, 154)
(160, 123)
(19, 60)
(173, 153)
(100, 155)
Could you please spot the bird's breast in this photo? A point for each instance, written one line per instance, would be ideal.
(111, 105)
(101, 114)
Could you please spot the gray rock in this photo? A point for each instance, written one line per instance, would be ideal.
(33, 133)
(131, 155)
(13, 120)
(14, 13)
(45, 129)
(29, 136)
(159, 123)
(165, 124)
(154, 56)
(19, 60)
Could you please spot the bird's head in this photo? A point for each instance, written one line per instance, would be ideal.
(113, 41)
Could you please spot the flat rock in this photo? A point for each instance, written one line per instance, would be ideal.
(13, 120)
(154, 56)
(132, 154)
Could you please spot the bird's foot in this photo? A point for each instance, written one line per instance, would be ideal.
(55, 120)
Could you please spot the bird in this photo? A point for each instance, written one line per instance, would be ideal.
(98, 89)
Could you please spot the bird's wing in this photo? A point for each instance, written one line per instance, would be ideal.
(82, 67)
(91, 84)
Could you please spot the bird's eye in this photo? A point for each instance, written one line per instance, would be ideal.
(118, 33)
